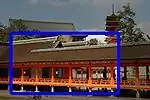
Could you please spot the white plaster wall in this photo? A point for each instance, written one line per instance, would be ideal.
(93, 75)
(74, 72)
(84, 76)
(79, 75)
(142, 72)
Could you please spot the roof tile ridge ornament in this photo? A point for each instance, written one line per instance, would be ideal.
(55, 42)
(56, 39)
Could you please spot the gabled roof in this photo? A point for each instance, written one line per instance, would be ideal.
(128, 51)
(48, 51)
(47, 25)
(23, 47)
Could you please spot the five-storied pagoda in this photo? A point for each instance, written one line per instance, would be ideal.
(112, 24)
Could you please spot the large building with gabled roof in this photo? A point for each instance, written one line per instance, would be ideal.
(47, 61)
(51, 26)
(55, 62)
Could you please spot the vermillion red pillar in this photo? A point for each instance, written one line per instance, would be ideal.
(52, 77)
(36, 74)
(70, 75)
(22, 74)
(90, 80)
(137, 74)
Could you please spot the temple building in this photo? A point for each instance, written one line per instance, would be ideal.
(46, 26)
(51, 62)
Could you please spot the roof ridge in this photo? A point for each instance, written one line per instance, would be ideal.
(75, 42)
(135, 43)
(40, 21)
(88, 47)
(35, 40)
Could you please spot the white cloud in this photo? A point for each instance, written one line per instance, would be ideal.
(100, 38)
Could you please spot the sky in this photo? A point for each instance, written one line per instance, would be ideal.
(85, 14)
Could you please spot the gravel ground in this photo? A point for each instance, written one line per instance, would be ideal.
(4, 95)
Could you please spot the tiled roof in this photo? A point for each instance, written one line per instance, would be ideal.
(136, 51)
(45, 51)
(47, 25)
(78, 43)
(4, 51)
(23, 47)
(81, 45)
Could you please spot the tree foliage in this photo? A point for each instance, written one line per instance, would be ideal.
(128, 27)
(19, 26)
(15, 26)
(93, 41)
(4, 30)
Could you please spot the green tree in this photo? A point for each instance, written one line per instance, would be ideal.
(128, 27)
(93, 41)
(15, 26)
(3, 33)
(19, 26)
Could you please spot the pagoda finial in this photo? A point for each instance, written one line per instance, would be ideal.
(113, 9)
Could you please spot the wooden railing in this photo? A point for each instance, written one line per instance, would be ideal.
(128, 84)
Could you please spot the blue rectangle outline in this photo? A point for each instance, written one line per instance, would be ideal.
(62, 33)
